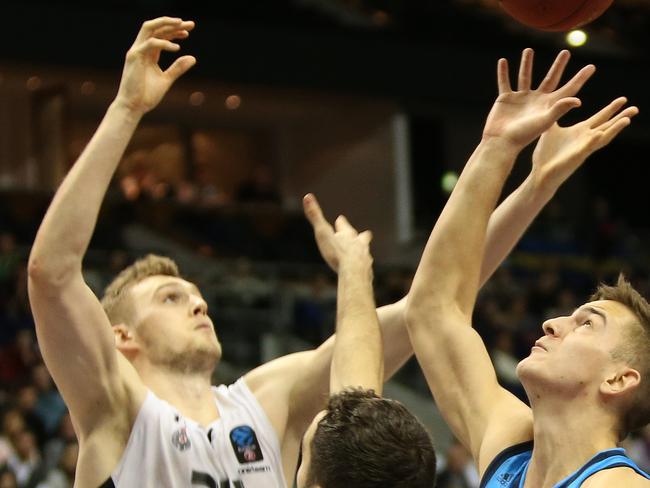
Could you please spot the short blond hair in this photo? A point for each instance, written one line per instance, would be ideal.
(634, 349)
(118, 309)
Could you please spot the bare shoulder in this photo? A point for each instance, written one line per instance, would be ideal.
(617, 477)
(277, 372)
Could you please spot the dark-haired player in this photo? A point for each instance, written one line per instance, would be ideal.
(361, 439)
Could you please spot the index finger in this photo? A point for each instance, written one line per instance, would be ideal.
(313, 211)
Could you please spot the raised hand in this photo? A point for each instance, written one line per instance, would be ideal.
(519, 117)
(143, 83)
(562, 150)
(333, 242)
(323, 231)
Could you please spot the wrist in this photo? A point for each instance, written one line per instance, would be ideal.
(126, 111)
(540, 186)
(500, 145)
(356, 266)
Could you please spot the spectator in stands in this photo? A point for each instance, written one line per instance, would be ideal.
(26, 460)
(54, 449)
(49, 406)
(7, 478)
(63, 475)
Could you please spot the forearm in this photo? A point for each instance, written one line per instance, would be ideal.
(509, 222)
(448, 274)
(358, 356)
(69, 223)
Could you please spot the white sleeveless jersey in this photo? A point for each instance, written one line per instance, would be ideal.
(166, 450)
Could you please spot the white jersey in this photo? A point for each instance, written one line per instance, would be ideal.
(167, 450)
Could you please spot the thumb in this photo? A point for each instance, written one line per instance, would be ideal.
(179, 67)
(561, 107)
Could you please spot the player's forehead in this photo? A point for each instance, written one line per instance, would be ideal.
(610, 310)
(606, 306)
(152, 284)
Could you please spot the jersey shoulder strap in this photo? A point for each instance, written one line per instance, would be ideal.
(611, 458)
(508, 467)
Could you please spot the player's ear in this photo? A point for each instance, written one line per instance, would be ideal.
(621, 381)
(124, 340)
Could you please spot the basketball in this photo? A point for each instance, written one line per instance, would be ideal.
(555, 15)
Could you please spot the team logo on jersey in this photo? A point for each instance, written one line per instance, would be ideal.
(181, 440)
(504, 478)
(244, 442)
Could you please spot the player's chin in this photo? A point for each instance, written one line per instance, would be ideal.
(523, 367)
(217, 351)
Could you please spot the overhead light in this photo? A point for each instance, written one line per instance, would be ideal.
(576, 38)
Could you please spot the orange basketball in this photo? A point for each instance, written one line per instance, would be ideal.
(555, 15)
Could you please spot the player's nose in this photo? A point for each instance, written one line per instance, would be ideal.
(550, 327)
(199, 307)
(556, 326)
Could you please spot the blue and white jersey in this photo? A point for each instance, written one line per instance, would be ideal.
(508, 469)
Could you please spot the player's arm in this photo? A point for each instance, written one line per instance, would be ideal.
(74, 334)
(357, 360)
(294, 388)
(441, 300)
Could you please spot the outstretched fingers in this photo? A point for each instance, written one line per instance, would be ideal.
(607, 135)
(555, 72)
(627, 113)
(574, 85)
(525, 70)
(604, 116)
(503, 76)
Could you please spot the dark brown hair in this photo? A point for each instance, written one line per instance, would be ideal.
(634, 349)
(365, 441)
(117, 307)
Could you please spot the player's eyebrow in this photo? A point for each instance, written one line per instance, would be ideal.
(192, 286)
(594, 310)
(167, 285)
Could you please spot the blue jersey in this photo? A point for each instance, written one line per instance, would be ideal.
(508, 469)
